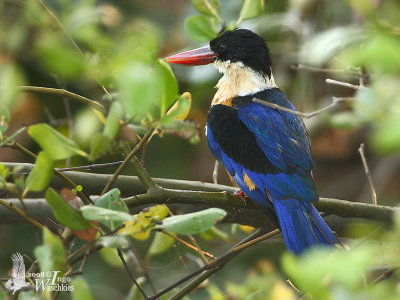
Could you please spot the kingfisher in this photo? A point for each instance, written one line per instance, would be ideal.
(265, 150)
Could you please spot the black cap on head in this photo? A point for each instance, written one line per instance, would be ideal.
(242, 45)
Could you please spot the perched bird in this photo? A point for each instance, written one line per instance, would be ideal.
(265, 150)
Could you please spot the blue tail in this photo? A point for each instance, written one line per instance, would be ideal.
(302, 226)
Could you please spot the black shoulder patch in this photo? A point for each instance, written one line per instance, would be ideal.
(237, 141)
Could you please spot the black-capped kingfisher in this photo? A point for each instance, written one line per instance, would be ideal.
(266, 151)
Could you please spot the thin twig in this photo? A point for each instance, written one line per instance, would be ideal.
(91, 167)
(228, 256)
(341, 83)
(215, 172)
(335, 101)
(388, 273)
(21, 148)
(80, 270)
(368, 173)
(142, 174)
(126, 160)
(187, 244)
(61, 92)
(11, 137)
(232, 252)
(326, 70)
(79, 252)
(21, 213)
(142, 266)
(70, 124)
(121, 256)
(198, 249)
(69, 37)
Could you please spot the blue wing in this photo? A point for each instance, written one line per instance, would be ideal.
(284, 140)
(282, 135)
(267, 152)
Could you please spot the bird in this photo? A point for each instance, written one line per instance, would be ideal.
(265, 150)
(17, 280)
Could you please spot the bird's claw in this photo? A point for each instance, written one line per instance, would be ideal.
(240, 194)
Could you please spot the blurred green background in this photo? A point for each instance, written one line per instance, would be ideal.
(353, 41)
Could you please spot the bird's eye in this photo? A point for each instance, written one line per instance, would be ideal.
(221, 48)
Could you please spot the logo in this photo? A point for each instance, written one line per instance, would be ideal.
(17, 280)
(50, 280)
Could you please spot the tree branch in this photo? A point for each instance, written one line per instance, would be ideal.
(188, 196)
(368, 173)
(11, 207)
(126, 161)
(345, 84)
(61, 92)
(18, 146)
(335, 101)
(326, 70)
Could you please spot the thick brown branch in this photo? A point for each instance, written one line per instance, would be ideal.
(187, 196)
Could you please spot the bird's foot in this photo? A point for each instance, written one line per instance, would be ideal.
(240, 194)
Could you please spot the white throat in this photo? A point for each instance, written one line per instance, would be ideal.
(239, 80)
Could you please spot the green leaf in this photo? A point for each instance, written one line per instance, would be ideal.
(160, 244)
(179, 110)
(10, 78)
(194, 222)
(142, 223)
(81, 289)
(86, 124)
(111, 200)
(188, 130)
(119, 241)
(110, 256)
(157, 212)
(99, 144)
(345, 120)
(385, 137)
(4, 173)
(201, 28)
(54, 143)
(322, 47)
(321, 268)
(169, 86)
(64, 213)
(140, 87)
(213, 233)
(58, 57)
(103, 215)
(26, 295)
(139, 44)
(51, 255)
(378, 53)
(39, 178)
(250, 9)
(207, 7)
(113, 120)
(135, 294)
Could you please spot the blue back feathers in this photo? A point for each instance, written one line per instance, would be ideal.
(272, 148)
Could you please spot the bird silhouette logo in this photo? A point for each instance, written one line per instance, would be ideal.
(17, 280)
